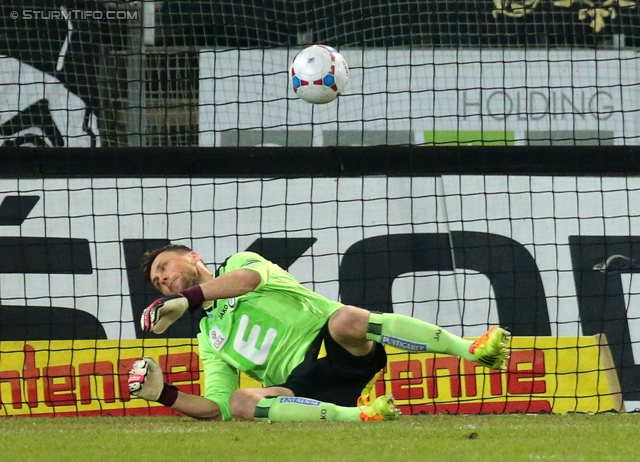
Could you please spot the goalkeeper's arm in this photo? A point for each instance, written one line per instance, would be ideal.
(163, 312)
(146, 382)
(197, 407)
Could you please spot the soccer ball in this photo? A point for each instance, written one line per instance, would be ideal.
(319, 74)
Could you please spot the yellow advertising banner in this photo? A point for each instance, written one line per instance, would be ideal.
(89, 377)
(544, 374)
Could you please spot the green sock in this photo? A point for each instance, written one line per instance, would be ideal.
(294, 409)
(411, 334)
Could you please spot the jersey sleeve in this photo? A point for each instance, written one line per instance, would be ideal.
(252, 261)
(220, 380)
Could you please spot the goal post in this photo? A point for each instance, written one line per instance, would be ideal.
(610, 372)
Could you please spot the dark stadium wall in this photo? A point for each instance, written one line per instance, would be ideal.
(55, 61)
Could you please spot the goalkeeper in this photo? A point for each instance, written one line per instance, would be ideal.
(261, 321)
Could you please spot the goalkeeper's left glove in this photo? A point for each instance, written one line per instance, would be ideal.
(163, 312)
(146, 382)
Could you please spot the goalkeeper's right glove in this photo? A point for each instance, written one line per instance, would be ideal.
(163, 312)
(146, 382)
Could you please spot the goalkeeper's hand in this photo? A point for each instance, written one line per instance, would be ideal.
(158, 316)
(146, 380)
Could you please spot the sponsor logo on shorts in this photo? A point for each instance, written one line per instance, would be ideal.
(402, 343)
(303, 401)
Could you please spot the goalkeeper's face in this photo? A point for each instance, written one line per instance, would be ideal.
(173, 272)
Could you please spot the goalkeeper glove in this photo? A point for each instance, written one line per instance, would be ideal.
(158, 316)
(146, 382)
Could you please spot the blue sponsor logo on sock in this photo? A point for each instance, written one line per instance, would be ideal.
(303, 401)
(402, 343)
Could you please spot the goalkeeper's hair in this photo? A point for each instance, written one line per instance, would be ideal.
(149, 257)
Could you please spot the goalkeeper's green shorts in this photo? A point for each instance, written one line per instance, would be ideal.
(339, 377)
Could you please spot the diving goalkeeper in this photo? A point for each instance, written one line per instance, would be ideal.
(261, 321)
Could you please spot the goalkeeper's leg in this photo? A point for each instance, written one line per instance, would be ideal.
(350, 325)
(411, 334)
(289, 408)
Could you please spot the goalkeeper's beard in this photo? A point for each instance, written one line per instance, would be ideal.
(184, 282)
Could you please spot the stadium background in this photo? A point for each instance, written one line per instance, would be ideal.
(480, 169)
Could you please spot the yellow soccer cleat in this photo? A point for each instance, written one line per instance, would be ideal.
(490, 349)
(383, 408)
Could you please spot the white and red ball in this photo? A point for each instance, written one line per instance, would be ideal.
(318, 74)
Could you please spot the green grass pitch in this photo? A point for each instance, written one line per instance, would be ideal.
(494, 438)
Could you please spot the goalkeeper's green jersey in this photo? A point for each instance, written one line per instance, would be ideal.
(264, 333)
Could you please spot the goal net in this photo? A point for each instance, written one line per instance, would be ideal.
(477, 171)
(550, 257)
(189, 73)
